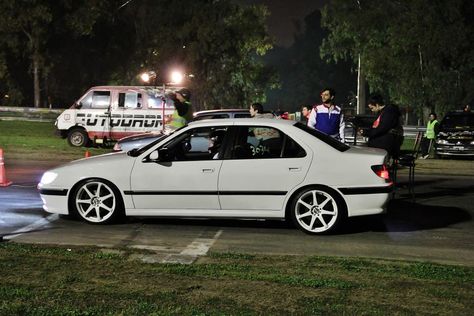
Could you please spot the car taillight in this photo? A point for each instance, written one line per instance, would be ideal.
(382, 171)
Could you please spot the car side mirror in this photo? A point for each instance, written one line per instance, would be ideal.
(78, 105)
(164, 154)
(154, 156)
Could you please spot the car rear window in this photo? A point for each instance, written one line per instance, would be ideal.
(323, 137)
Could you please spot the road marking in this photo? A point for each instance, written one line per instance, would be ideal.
(200, 246)
(32, 227)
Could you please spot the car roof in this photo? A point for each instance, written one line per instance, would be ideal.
(242, 121)
(220, 111)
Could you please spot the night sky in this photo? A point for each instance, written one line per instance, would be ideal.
(283, 15)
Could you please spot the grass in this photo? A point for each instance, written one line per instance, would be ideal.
(41, 280)
(37, 141)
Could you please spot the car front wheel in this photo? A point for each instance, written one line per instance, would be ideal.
(97, 202)
(317, 210)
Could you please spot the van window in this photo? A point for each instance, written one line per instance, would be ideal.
(100, 99)
(130, 100)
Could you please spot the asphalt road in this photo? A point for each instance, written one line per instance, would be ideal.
(437, 226)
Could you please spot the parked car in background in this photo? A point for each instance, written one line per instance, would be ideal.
(353, 124)
(456, 135)
(221, 113)
(263, 169)
(139, 140)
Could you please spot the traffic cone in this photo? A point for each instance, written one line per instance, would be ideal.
(3, 177)
(88, 154)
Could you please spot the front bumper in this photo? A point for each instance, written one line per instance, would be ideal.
(454, 150)
(55, 201)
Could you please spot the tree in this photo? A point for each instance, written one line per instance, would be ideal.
(74, 44)
(418, 52)
(28, 28)
(303, 73)
(217, 41)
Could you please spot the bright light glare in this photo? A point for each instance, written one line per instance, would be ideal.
(176, 77)
(48, 177)
(145, 77)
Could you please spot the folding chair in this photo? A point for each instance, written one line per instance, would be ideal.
(408, 159)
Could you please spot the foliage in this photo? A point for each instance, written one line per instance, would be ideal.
(418, 52)
(303, 73)
(30, 30)
(97, 42)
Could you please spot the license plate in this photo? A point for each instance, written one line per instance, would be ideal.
(458, 147)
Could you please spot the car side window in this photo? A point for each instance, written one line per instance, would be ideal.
(258, 142)
(204, 143)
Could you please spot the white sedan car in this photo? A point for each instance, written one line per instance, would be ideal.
(231, 168)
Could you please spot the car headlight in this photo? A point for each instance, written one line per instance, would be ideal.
(442, 141)
(48, 177)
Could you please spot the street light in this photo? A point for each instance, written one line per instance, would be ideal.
(177, 77)
(148, 76)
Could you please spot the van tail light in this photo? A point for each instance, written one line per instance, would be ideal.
(382, 171)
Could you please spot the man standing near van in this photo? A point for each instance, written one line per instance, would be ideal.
(183, 112)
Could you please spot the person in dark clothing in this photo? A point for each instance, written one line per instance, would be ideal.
(386, 131)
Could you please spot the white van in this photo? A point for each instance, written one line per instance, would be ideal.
(111, 112)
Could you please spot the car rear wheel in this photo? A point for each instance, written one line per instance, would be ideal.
(97, 202)
(78, 137)
(318, 210)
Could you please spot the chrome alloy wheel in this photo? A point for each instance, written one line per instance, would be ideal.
(316, 211)
(96, 202)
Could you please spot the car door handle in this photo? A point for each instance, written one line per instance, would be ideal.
(208, 170)
(294, 169)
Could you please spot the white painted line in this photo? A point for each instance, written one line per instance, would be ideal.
(34, 226)
(200, 246)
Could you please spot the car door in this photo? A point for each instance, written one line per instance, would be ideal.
(260, 168)
(186, 181)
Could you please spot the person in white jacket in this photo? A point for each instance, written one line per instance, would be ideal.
(327, 117)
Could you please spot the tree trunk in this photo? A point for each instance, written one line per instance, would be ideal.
(36, 83)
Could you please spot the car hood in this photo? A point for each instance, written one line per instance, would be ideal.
(456, 134)
(140, 137)
(114, 167)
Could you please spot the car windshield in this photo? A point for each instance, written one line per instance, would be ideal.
(458, 120)
(323, 137)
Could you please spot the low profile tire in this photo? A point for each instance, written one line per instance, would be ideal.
(318, 210)
(77, 137)
(97, 202)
